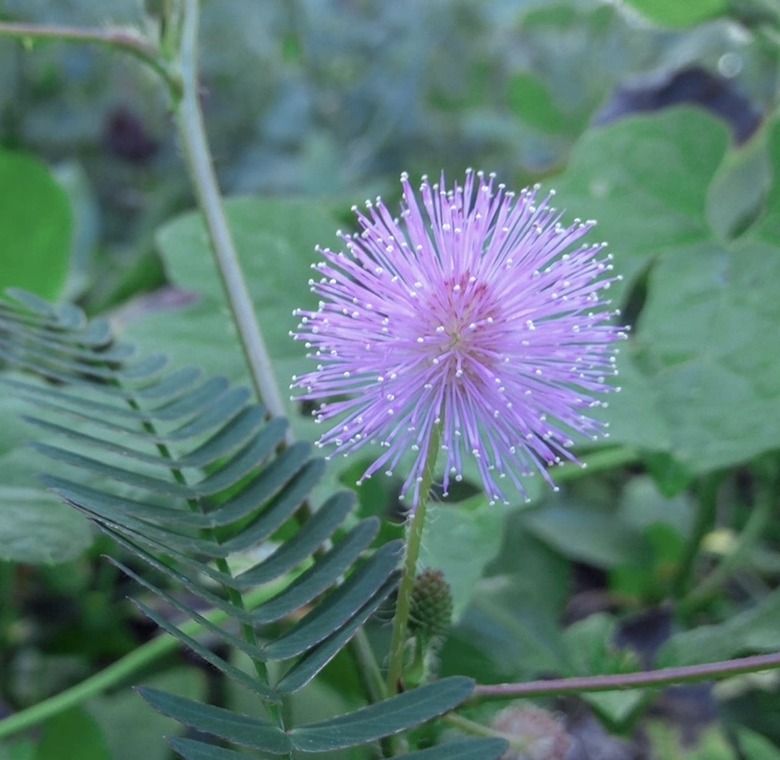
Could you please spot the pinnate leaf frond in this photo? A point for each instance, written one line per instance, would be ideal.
(188, 474)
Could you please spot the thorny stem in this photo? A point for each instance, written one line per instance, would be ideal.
(644, 679)
(127, 40)
(414, 532)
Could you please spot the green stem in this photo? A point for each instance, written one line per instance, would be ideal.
(703, 524)
(646, 679)
(754, 528)
(368, 668)
(127, 40)
(122, 670)
(414, 532)
(197, 154)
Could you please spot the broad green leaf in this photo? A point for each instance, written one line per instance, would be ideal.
(35, 227)
(645, 180)
(74, 733)
(22, 749)
(511, 630)
(641, 505)
(384, 718)
(716, 392)
(703, 394)
(754, 746)
(585, 534)
(460, 540)
(532, 103)
(36, 528)
(768, 227)
(502, 633)
(680, 13)
(275, 240)
(632, 414)
(739, 187)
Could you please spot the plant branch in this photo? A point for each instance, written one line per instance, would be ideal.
(119, 38)
(197, 154)
(644, 679)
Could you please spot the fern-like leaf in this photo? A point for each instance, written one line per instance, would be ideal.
(185, 473)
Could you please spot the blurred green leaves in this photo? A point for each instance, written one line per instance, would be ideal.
(37, 528)
(679, 13)
(35, 227)
(700, 377)
(275, 238)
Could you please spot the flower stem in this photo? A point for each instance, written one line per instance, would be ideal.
(414, 531)
(197, 154)
(644, 679)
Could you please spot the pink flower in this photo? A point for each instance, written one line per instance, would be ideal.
(476, 312)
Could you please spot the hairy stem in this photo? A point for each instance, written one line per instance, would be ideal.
(414, 531)
(127, 40)
(650, 678)
(197, 154)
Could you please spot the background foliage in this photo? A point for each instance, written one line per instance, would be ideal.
(657, 118)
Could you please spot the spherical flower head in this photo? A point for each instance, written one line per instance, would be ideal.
(475, 320)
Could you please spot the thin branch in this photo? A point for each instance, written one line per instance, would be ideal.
(119, 38)
(201, 166)
(644, 679)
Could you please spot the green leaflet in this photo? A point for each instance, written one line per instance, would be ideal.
(239, 729)
(184, 471)
(411, 708)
